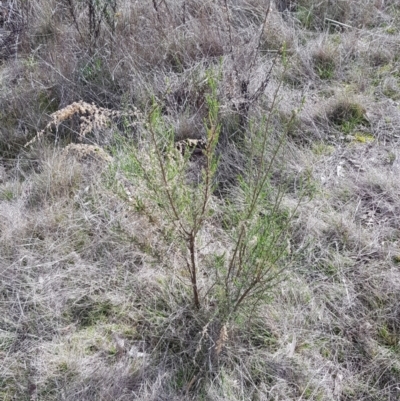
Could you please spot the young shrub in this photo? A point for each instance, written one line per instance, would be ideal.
(186, 206)
(229, 281)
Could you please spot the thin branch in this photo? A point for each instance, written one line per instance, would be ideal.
(164, 178)
(259, 38)
(72, 12)
(193, 267)
(228, 18)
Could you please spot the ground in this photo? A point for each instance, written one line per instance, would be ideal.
(106, 218)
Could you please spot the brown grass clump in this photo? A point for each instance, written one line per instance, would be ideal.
(345, 112)
(90, 117)
(314, 15)
(325, 59)
(277, 33)
(57, 178)
(83, 153)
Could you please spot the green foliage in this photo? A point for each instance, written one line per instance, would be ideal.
(305, 16)
(396, 259)
(88, 312)
(253, 216)
(47, 103)
(6, 194)
(312, 15)
(388, 337)
(347, 115)
(363, 137)
(391, 30)
(324, 64)
(321, 148)
(91, 71)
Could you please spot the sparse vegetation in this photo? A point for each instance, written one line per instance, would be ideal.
(199, 200)
(346, 115)
(325, 59)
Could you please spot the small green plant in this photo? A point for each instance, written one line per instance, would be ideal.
(325, 63)
(347, 115)
(387, 337)
(30, 62)
(363, 137)
(7, 194)
(391, 30)
(305, 16)
(88, 312)
(321, 148)
(316, 15)
(185, 205)
(252, 216)
(92, 70)
(396, 259)
(47, 104)
(390, 88)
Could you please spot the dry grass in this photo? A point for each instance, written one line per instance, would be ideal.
(94, 302)
(87, 117)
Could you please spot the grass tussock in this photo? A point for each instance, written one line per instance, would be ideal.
(199, 200)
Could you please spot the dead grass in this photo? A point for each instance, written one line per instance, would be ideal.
(93, 301)
(85, 119)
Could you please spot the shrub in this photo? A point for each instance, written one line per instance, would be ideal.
(225, 283)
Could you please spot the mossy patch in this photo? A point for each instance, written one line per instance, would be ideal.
(322, 149)
(362, 137)
(391, 30)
